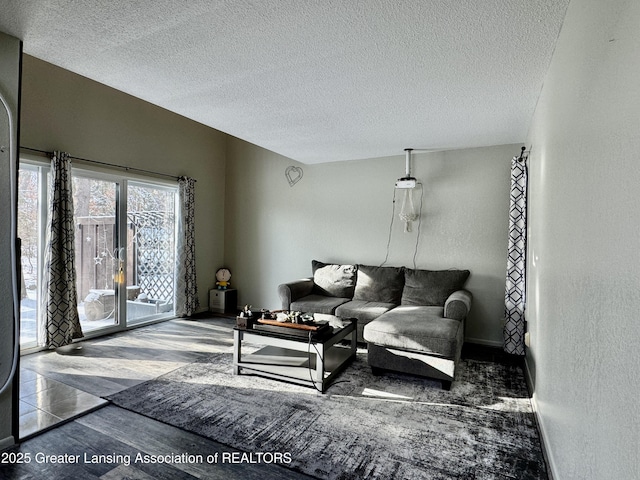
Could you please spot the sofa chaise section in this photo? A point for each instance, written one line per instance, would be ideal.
(425, 334)
(419, 340)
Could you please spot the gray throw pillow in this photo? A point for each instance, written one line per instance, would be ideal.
(431, 287)
(379, 284)
(333, 280)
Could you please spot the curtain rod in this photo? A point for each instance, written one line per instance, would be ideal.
(523, 157)
(128, 169)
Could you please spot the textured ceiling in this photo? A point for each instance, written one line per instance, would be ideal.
(316, 81)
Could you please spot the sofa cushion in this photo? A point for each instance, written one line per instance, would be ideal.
(318, 304)
(379, 284)
(417, 329)
(362, 310)
(431, 287)
(333, 280)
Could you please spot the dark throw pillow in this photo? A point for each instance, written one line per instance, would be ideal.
(431, 287)
(334, 280)
(379, 284)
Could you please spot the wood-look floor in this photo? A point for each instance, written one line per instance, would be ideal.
(114, 431)
(108, 365)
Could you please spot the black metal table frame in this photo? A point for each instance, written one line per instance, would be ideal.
(303, 360)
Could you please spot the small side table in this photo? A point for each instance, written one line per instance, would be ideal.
(223, 301)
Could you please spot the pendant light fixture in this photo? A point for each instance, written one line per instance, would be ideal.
(407, 185)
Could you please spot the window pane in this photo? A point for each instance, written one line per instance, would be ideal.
(29, 232)
(95, 203)
(151, 251)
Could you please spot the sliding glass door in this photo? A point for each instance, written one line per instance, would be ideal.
(125, 242)
(95, 203)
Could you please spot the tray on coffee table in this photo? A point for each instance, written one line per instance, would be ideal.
(312, 326)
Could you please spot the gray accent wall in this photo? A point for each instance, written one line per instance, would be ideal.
(584, 254)
(10, 52)
(341, 212)
(65, 111)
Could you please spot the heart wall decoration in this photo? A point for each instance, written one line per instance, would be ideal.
(293, 174)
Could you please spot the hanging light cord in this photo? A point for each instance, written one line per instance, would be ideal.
(415, 253)
(393, 215)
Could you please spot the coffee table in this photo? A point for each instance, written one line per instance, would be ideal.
(312, 360)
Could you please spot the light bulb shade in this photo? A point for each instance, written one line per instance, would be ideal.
(407, 210)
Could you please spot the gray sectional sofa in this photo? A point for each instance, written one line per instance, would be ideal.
(412, 320)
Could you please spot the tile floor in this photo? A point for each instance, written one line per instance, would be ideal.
(45, 402)
(58, 386)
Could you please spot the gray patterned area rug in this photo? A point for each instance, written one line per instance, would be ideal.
(364, 426)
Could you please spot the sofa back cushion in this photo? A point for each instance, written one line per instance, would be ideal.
(379, 284)
(333, 280)
(431, 287)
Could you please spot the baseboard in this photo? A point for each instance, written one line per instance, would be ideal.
(482, 341)
(528, 378)
(546, 453)
(7, 442)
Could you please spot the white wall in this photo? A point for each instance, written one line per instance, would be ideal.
(341, 212)
(584, 257)
(68, 112)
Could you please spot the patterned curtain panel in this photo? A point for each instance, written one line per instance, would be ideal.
(514, 300)
(186, 288)
(60, 322)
